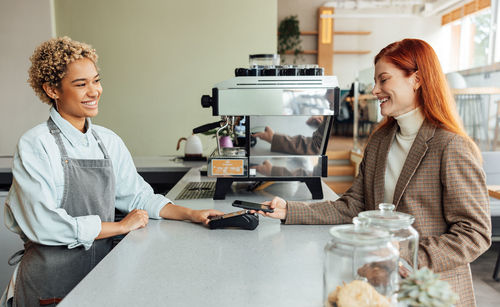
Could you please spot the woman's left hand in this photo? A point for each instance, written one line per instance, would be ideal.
(265, 168)
(202, 216)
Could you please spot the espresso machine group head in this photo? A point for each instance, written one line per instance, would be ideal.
(293, 105)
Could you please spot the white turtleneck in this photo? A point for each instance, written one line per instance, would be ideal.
(409, 124)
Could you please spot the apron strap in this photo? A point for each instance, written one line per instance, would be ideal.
(101, 145)
(16, 258)
(56, 132)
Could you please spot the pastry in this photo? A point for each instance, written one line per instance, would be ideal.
(357, 293)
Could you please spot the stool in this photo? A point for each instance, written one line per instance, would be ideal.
(471, 110)
(497, 126)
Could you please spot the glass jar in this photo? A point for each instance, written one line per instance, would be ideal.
(360, 252)
(398, 224)
(263, 60)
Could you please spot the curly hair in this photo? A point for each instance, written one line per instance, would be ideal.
(49, 62)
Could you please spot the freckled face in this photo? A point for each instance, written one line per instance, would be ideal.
(394, 90)
(79, 93)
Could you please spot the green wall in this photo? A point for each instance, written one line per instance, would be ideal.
(157, 58)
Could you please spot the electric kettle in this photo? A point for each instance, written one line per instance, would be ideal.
(193, 147)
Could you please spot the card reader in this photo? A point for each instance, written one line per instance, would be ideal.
(241, 219)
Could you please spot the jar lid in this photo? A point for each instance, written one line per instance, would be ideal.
(264, 56)
(360, 233)
(387, 217)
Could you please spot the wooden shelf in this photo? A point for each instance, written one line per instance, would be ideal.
(351, 51)
(494, 191)
(325, 35)
(352, 33)
(362, 97)
(334, 52)
(476, 91)
(308, 32)
(303, 52)
(338, 32)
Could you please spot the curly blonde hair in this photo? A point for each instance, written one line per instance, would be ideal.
(49, 62)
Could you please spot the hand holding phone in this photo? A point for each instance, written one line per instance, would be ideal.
(252, 206)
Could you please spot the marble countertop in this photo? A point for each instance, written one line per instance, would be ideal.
(174, 263)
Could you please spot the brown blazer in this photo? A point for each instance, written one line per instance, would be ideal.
(299, 144)
(442, 185)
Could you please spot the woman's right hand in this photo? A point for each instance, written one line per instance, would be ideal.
(279, 206)
(265, 168)
(267, 135)
(136, 219)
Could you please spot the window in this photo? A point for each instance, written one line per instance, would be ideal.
(469, 41)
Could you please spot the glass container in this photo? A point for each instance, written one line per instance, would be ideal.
(363, 252)
(398, 224)
(260, 60)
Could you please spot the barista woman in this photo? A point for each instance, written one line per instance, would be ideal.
(421, 160)
(69, 176)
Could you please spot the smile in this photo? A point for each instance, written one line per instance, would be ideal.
(90, 103)
(383, 100)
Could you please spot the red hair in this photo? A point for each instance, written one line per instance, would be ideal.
(433, 96)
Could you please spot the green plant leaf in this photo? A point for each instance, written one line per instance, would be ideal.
(289, 37)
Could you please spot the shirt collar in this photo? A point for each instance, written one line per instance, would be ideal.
(410, 122)
(73, 135)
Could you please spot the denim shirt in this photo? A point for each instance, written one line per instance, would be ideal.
(32, 207)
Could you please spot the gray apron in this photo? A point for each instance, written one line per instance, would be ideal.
(47, 273)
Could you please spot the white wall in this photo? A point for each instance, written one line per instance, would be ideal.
(23, 25)
(384, 31)
(158, 58)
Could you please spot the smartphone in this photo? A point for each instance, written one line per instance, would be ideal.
(251, 206)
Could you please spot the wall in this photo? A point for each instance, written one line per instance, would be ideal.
(157, 58)
(384, 31)
(23, 25)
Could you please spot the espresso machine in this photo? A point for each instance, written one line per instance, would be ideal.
(295, 105)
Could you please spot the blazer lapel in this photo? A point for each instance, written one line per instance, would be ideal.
(415, 156)
(380, 164)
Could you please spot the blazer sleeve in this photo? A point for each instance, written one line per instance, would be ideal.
(327, 212)
(466, 211)
(299, 144)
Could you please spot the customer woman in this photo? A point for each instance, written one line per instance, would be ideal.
(421, 160)
(69, 176)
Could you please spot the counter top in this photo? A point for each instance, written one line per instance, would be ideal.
(184, 264)
(494, 191)
(146, 163)
(5, 164)
(153, 168)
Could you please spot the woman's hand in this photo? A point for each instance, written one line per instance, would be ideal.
(202, 216)
(136, 219)
(267, 135)
(315, 120)
(265, 168)
(279, 206)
